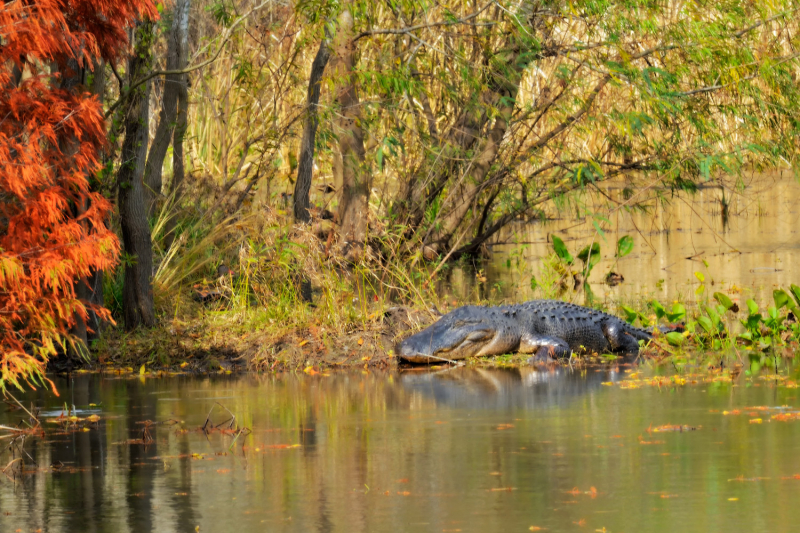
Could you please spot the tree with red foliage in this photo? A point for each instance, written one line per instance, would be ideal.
(52, 226)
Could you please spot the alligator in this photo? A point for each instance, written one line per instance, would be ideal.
(550, 329)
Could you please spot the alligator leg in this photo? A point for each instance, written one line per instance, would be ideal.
(545, 347)
(619, 340)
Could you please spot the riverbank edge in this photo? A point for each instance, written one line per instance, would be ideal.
(233, 341)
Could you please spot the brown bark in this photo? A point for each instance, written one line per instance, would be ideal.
(354, 192)
(473, 182)
(137, 296)
(305, 167)
(167, 115)
(181, 25)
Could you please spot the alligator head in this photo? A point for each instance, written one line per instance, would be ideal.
(465, 332)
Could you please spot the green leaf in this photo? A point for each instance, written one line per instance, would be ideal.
(700, 276)
(700, 289)
(781, 298)
(379, 157)
(705, 322)
(591, 256)
(752, 306)
(714, 316)
(724, 300)
(624, 246)
(796, 293)
(534, 283)
(630, 314)
(753, 322)
(675, 338)
(590, 297)
(658, 308)
(599, 229)
(678, 313)
(561, 250)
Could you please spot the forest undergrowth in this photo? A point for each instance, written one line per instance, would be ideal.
(254, 294)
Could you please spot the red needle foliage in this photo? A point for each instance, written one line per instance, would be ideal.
(52, 226)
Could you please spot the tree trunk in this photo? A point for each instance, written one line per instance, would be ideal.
(354, 192)
(182, 84)
(305, 167)
(467, 134)
(473, 182)
(137, 295)
(169, 109)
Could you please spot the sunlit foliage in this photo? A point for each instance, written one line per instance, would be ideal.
(52, 226)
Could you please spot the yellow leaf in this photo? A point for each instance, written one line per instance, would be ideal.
(141, 370)
(302, 343)
(184, 364)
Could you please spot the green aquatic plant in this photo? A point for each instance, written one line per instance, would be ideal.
(590, 256)
(713, 326)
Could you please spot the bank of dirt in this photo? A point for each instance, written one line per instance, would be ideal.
(227, 342)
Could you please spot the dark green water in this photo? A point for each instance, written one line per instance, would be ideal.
(461, 450)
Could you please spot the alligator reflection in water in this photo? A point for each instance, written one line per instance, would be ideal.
(512, 388)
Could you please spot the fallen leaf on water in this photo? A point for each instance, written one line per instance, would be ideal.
(755, 421)
(733, 499)
(404, 493)
(537, 528)
(403, 480)
(502, 489)
(670, 427)
(501, 427)
(642, 441)
(581, 522)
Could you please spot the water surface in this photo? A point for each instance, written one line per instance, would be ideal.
(749, 248)
(456, 450)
